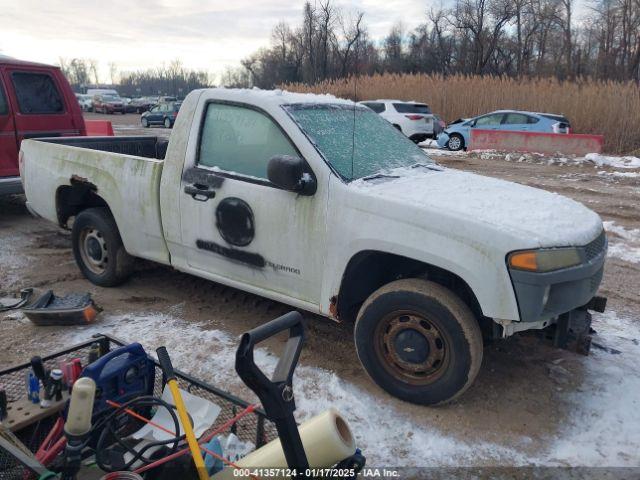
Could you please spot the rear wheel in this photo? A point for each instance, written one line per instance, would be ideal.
(145, 122)
(419, 341)
(98, 248)
(455, 142)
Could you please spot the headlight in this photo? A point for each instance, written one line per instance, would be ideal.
(544, 260)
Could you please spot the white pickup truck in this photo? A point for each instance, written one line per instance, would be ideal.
(321, 204)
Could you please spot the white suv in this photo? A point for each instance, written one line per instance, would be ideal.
(413, 119)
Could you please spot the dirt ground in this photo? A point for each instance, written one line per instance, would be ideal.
(521, 409)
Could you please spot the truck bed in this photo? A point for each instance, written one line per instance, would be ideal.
(124, 172)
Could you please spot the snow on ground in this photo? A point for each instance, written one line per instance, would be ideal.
(627, 250)
(620, 174)
(610, 161)
(602, 430)
(598, 160)
(12, 261)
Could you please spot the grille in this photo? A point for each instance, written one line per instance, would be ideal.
(596, 247)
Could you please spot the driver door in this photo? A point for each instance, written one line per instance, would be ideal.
(239, 228)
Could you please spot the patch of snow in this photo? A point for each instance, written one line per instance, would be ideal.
(611, 161)
(629, 250)
(624, 252)
(627, 234)
(387, 437)
(603, 428)
(620, 174)
(440, 152)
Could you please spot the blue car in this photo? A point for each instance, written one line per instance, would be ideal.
(458, 134)
(162, 114)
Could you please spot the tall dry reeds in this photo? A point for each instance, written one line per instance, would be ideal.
(597, 107)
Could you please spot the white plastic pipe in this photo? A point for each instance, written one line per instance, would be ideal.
(327, 440)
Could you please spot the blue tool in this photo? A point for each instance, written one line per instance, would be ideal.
(121, 375)
(33, 385)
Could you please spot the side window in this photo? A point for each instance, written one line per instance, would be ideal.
(488, 120)
(37, 93)
(4, 106)
(516, 119)
(376, 107)
(240, 140)
(532, 120)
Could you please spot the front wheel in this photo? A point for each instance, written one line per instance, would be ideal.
(145, 123)
(419, 341)
(455, 142)
(167, 123)
(98, 248)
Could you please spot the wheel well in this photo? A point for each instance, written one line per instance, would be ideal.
(369, 270)
(71, 200)
(456, 134)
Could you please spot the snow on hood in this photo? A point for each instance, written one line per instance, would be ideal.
(546, 218)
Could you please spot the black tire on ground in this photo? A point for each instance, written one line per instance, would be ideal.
(167, 123)
(457, 144)
(418, 341)
(98, 248)
(145, 123)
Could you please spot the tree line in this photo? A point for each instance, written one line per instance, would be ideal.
(475, 37)
(172, 79)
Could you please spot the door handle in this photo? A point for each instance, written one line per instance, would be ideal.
(199, 193)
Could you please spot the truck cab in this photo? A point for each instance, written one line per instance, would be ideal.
(35, 101)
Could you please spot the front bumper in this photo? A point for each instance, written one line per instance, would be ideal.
(10, 186)
(543, 296)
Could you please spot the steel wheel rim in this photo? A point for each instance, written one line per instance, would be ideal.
(412, 347)
(93, 250)
(454, 143)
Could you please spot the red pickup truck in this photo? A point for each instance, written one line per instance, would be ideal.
(35, 101)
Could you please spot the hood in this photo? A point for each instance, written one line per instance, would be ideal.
(543, 218)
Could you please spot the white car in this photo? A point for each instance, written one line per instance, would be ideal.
(413, 119)
(277, 194)
(85, 101)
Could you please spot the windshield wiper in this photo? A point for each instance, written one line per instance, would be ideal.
(430, 166)
(380, 175)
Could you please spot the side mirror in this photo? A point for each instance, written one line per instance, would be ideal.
(288, 173)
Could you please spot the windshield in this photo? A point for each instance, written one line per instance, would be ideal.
(110, 98)
(412, 108)
(378, 145)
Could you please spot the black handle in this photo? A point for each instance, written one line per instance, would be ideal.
(276, 394)
(38, 369)
(165, 364)
(245, 365)
(201, 194)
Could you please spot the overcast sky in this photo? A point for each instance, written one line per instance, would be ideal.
(203, 34)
